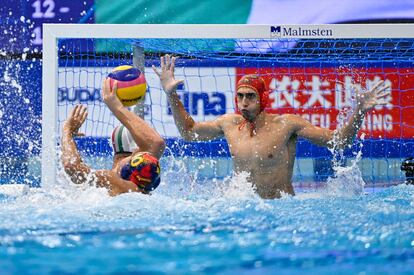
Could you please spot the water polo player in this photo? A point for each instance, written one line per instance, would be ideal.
(263, 144)
(137, 149)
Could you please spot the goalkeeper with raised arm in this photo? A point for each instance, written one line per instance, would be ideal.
(137, 149)
(262, 144)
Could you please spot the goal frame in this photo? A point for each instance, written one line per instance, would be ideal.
(53, 32)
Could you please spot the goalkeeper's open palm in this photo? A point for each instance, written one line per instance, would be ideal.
(76, 119)
(375, 96)
(168, 81)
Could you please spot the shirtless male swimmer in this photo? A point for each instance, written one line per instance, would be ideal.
(262, 144)
(138, 137)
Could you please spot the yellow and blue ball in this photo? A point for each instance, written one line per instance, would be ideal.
(132, 85)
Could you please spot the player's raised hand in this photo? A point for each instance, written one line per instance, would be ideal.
(109, 95)
(76, 119)
(168, 81)
(367, 100)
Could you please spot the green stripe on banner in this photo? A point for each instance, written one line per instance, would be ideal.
(168, 12)
(172, 12)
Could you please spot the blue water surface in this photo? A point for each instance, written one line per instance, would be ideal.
(215, 227)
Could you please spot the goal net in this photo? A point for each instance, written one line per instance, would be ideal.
(309, 69)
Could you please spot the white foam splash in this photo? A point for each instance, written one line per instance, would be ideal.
(347, 181)
(239, 186)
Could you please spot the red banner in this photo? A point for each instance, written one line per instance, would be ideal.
(324, 95)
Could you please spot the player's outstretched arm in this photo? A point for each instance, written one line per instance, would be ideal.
(144, 136)
(366, 101)
(303, 128)
(188, 128)
(71, 159)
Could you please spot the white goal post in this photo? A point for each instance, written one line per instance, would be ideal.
(53, 32)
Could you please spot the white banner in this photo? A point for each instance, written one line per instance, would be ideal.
(211, 95)
(328, 11)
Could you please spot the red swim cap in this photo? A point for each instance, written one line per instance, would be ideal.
(257, 84)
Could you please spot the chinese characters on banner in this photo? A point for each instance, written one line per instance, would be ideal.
(324, 95)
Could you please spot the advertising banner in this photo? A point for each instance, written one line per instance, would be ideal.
(206, 94)
(325, 95)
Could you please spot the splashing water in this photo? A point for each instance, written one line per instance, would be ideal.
(20, 126)
(239, 186)
(347, 181)
(224, 229)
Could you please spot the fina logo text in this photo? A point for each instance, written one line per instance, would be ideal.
(279, 31)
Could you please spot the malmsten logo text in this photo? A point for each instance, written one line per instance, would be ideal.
(299, 31)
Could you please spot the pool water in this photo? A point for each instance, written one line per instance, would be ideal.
(209, 227)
